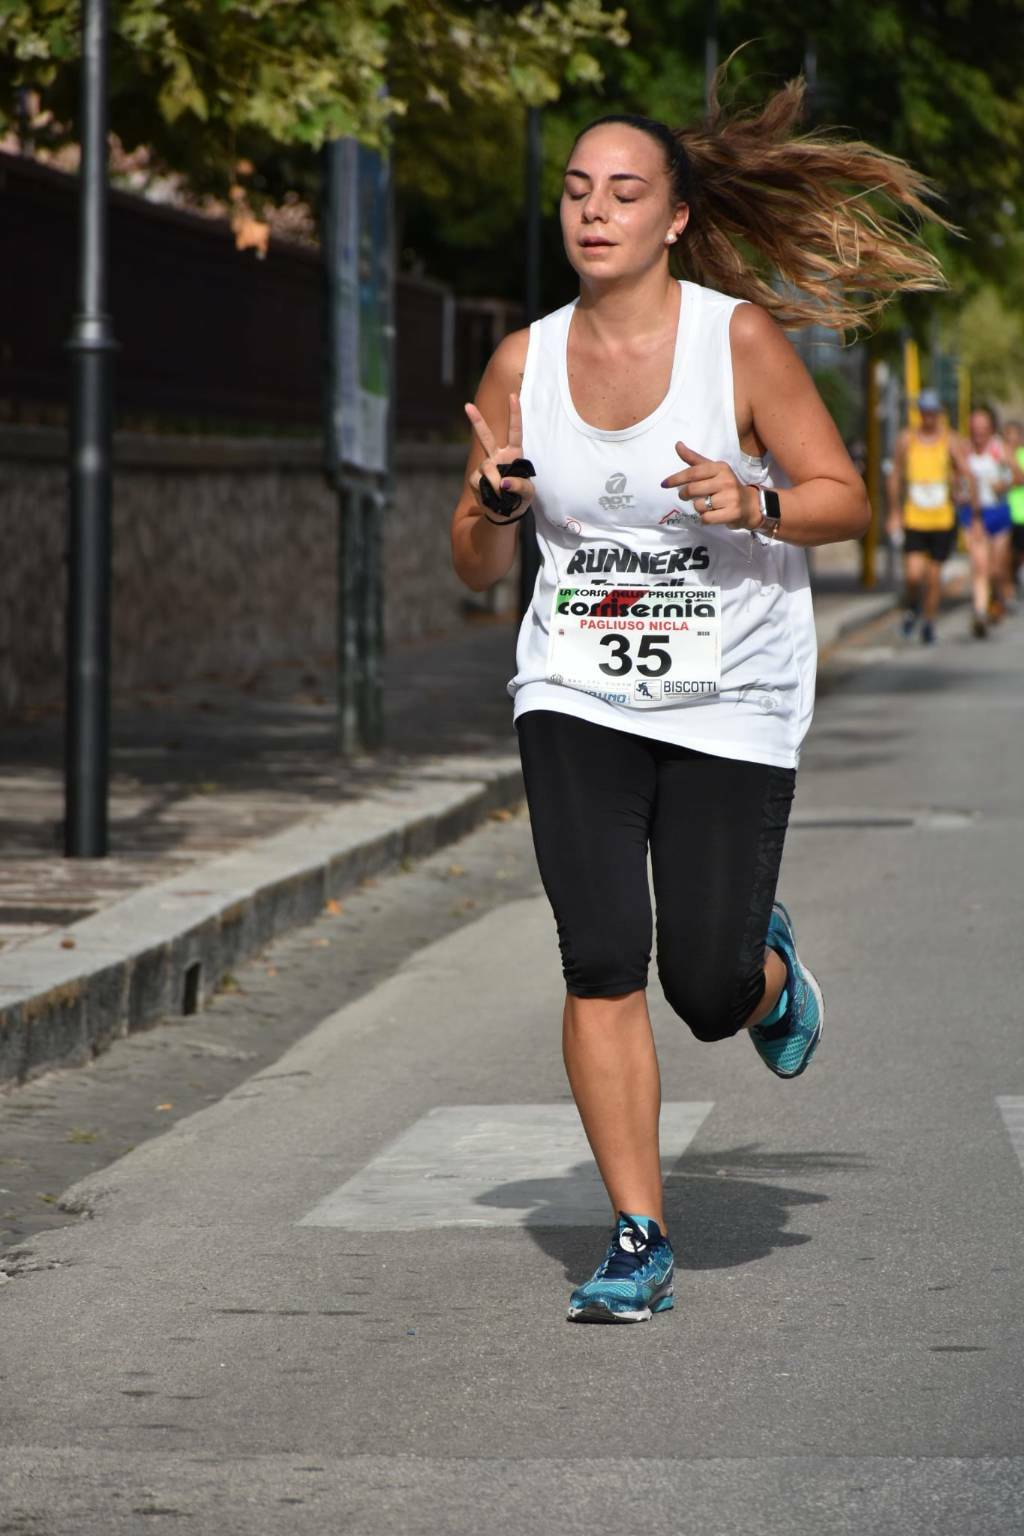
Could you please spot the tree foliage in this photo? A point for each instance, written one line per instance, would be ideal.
(988, 335)
(210, 84)
(206, 84)
(937, 82)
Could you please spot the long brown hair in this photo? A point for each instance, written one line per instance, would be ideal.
(833, 218)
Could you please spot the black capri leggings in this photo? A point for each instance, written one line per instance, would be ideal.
(715, 826)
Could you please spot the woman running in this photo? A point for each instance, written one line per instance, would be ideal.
(665, 670)
(986, 521)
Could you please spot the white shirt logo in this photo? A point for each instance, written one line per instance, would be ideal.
(616, 498)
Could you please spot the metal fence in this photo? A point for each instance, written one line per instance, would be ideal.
(210, 338)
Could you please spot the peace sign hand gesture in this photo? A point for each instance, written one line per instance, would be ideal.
(507, 493)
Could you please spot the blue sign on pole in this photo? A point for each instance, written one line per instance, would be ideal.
(360, 330)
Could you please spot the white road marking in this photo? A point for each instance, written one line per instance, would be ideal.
(1012, 1111)
(489, 1165)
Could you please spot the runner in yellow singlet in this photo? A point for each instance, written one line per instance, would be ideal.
(921, 502)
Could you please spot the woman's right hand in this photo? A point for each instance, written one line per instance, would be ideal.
(513, 449)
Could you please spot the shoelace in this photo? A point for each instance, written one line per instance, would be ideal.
(621, 1264)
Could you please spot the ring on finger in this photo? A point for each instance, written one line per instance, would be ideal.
(708, 504)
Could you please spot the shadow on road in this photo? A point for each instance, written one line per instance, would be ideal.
(720, 1208)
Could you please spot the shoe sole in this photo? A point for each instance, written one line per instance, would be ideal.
(819, 996)
(596, 1312)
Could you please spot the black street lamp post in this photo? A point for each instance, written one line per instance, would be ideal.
(92, 345)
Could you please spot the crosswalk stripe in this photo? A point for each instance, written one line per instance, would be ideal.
(1012, 1110)
(489, 1165)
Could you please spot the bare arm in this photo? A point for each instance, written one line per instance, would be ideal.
(828, 501)
(894, 484)
(958, 454)
(483, 552)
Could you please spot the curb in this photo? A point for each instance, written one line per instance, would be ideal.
(857, 616)
(860, 613)
(164, 949)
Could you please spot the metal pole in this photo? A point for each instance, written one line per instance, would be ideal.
(350, 565)
(710, 49)
(378, 488)
(336, 227)
(371, 505)
(92, 345)
(529, 555)
(872, 469)
(811, 79)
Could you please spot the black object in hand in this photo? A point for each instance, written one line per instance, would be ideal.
(505, 502)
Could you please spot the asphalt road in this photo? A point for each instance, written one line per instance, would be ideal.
(333, 1300)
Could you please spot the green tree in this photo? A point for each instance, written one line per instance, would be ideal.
(939, 84)
(988, 336)
(209, 84)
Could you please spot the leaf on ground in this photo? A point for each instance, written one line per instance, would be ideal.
(334, 909)
(499, 815)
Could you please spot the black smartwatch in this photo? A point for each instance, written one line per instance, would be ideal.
(771, 511)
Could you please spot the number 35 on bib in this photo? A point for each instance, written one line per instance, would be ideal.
(645, 647)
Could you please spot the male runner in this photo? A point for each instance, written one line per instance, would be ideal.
(921, 500)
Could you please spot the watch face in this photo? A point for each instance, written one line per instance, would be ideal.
(771, 505)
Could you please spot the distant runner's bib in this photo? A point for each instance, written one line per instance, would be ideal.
(928, 494)
(644, 647)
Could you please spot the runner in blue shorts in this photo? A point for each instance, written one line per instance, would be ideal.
(987, 521)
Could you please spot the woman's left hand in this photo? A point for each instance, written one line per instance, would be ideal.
(717, 495)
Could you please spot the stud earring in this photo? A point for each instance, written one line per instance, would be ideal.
(671, 239)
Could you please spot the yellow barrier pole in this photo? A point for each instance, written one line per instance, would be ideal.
(872, 473)
(963, 398)
(912, 382)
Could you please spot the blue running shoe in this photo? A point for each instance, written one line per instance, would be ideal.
(633, 1280)
(788, 1045)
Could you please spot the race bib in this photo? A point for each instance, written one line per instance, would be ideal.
(647, 647)
(929, 495)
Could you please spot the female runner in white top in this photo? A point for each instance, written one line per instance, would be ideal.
(666, 665)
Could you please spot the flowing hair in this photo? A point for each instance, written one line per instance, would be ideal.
(836, 220)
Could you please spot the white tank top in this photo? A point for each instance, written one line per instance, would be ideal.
(989, 473)
(598, 510)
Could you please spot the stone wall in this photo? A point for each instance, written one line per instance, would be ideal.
(224, 557)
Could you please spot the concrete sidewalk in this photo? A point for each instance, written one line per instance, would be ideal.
(233, 819)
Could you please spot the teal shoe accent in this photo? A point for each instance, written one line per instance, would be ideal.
(633, 1280)
(787, 1046)
(778, 1013)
